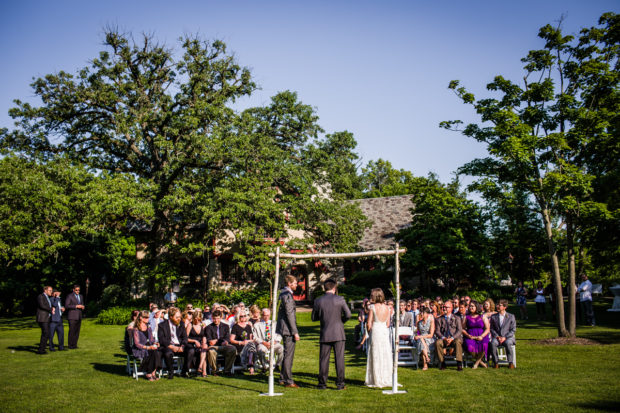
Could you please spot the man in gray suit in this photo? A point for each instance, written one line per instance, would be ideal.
(287, 328)
(503, 328)
(332, 311)
(406, 317)
(449, 334)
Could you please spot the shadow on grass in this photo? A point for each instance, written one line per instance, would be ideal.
(30, 349)
(115, 369)
(603, 337)
(21, 323)
(601, 405)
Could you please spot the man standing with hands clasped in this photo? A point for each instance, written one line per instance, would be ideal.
(74, 305)
(332, 311)
(44, 316)
(287, 328)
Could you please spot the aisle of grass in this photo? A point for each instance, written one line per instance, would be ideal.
(93, 378)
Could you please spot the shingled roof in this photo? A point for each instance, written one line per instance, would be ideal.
(389, 215)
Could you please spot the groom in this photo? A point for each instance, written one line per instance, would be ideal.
(331, 310)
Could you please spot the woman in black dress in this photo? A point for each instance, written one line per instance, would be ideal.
(242, 338)
(196, 337)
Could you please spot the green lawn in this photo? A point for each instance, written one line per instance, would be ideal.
(93, 378)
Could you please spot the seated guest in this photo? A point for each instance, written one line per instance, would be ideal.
(425, 336)
(254, 314)
(187, 319)
(206, 313)
(488, 308)
(128, 340)
(455, 303)
(154, 311)
(218, 340)
(463, 310)
(145, 347)
(449, 334)
(415, 310)
(242, 337)
(262, 337)
(476, 332)
(405, 317)
(196, 337)
(503, 327)
(363, 319)
(435, 309)
(173, 341)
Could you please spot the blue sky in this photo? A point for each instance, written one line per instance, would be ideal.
(379, 69)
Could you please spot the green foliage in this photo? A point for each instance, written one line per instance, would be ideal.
(115, 316)
(446, 240)
(232, 296)
(353, 292)
(380, 179)
(371, 279)
(114, 296)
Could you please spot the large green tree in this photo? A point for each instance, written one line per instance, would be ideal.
(544, 137)
(446, 240)
(167, 123)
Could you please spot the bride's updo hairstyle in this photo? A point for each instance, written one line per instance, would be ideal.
(377, 296)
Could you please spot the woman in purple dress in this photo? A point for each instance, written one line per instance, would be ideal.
(476, 331)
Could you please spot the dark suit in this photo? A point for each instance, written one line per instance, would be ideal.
(449, 328)
(74, 315)
(507, 330)
(56, 326)
(164, 335)
(332, 311)
(220, 333)
(44, 316)
(287, 328)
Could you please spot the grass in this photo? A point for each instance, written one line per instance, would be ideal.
(93, 378)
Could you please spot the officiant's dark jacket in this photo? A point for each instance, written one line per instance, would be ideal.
(332, 311)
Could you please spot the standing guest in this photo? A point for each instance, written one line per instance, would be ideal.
(44, 317)
(218, 340)
(488, 308)
(75, 306)
(476, 332)
(242, 337)
(405, 317)
(363, 324)
(262, 337)
(196, 337)
(332, 311)
(145, 347)
(170, 298)
(540, 301)
(56, 326)
(503, 328)
(425, 336)
(287, 328)
(521, 294)
(449, 334)
(585, 296)
(254, 314)
(173, 341)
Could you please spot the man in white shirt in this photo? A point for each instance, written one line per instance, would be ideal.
(585, 296)
(262, 336)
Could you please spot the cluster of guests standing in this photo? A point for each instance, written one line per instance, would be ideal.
(50, 310)
(449, 328)
(157, 336)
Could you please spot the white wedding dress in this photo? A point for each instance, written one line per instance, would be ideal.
(379, 367)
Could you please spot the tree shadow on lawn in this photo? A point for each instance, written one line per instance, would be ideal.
(116, 369)
(21, 323)
(30, 349)
(601, 405)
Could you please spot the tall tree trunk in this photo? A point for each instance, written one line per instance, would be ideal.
(570, 244)
(555, 266)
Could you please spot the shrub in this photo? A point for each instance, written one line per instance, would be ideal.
(258, 296)
(114, 296)
(372, 279)
(115, 316)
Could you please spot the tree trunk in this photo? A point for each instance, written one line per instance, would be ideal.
(570, 244)
(555, 266)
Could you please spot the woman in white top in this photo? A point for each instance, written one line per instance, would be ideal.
(540, 301)
(379, 367)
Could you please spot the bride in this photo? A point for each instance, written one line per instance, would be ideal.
(379, 367)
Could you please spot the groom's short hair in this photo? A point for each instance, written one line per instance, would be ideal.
(329, 284)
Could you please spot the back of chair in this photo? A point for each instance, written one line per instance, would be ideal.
(128, 341)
